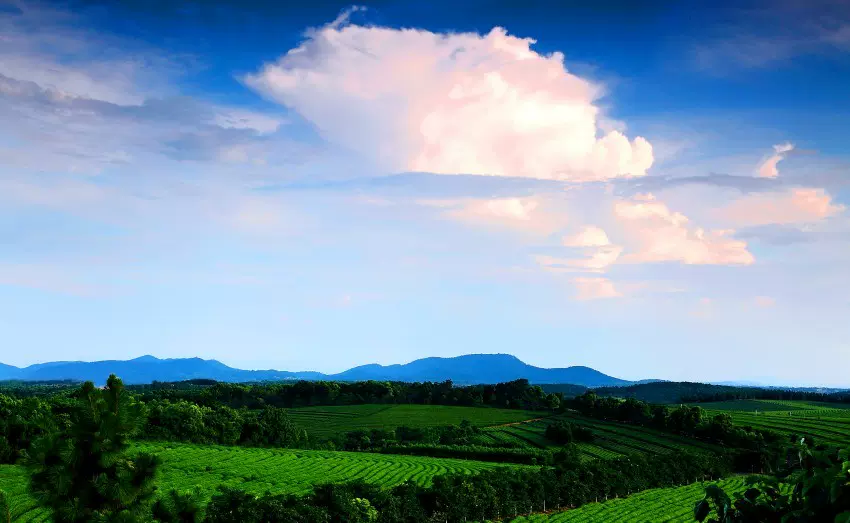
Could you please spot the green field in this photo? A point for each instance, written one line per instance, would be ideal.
(260, 470)
(828, 423)
(657, 505)
(612, 439)
(323, 422)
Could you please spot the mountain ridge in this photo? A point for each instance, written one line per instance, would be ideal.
(465, 369)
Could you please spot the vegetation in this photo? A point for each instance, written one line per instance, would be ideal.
(329, 422)
(672, 392)
(403, 461)
(280, 471)
(516, 394)
(671, 504)
(829, 423)
(83, 472)
(817, 488)
(563, 432)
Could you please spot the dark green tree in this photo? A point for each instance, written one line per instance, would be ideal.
(179, 507)
(84, 472)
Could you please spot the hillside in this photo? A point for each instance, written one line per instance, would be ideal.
(468, 369)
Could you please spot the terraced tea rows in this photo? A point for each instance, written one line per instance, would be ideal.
(826, 422)
(611, 440)
(665, 504)
(260, 470)
(323, 422)
(14, 481)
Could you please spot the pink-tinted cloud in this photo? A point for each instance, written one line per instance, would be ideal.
(529, 214)
(798, 205)
(450, 103)
(764, 301)
(596, 259)
(595, 289)
(769, 168)
(662, 235)
(589, 236)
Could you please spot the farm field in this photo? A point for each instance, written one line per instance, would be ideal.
(796, 408)
(674, 504)
(323, 422)
(827, 422)
(260, 470)
(612, 439)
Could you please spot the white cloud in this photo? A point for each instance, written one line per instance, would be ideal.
(594, 260)
(529, 214)
(595, 289)
(662, 235)
(769, 168)
(589, 236)
(454, 103)
(792, 206)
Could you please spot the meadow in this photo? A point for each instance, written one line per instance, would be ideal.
(324, 422)
(259, 470)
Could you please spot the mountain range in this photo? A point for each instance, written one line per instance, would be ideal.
(468, 369)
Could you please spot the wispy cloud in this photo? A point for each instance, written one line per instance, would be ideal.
(783, 31)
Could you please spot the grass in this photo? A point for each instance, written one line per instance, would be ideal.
(260, 470)
(324, 422)
(674, 504)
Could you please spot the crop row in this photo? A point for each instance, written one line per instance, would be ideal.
(260, 470)
(327, 421)
(666, 504)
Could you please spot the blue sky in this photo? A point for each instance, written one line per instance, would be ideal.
(656, 191)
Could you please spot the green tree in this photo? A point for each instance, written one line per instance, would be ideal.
(362, 511)
(83, 472)
(179, 507)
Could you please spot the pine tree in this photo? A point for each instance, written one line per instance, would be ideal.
(84, 472)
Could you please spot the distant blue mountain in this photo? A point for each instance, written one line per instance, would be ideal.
(472, 368)
(478, 368)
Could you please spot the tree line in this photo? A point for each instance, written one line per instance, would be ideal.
(689, 392)
(517, 394)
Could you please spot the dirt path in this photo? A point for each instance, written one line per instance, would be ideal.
(514, 423)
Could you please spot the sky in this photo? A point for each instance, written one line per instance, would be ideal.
(654, 191)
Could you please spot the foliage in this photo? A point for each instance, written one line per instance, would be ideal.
(83, 472)
(563, 432)
(819, 491)
(517, 394)
(672, 392)
(5, 507)
(492, 494)
(759, 447)
(179, 507)
(666, 504)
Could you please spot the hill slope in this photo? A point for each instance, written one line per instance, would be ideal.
(473, 368)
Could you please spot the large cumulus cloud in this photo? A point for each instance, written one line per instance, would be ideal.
(461, 103)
